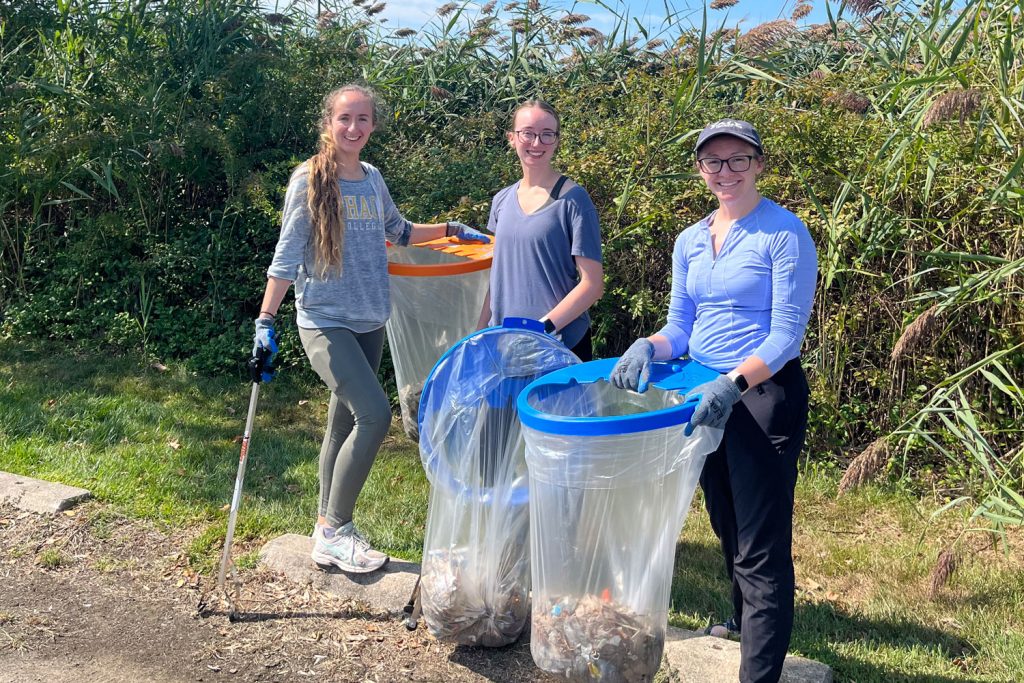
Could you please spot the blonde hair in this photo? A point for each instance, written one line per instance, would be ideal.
(323, 192)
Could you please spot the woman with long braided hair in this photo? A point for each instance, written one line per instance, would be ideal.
(337, 215)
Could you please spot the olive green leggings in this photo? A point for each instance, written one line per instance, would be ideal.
(358, 416)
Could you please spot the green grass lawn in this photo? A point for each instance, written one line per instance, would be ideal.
(162, 444)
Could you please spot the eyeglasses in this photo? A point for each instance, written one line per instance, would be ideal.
(548, 137)
(736, 164)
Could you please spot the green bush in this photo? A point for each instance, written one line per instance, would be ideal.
(147, 147)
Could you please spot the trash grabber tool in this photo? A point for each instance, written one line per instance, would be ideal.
(258, 365)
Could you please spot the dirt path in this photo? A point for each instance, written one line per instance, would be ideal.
(91, 598)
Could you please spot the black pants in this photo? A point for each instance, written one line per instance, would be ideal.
(584, 348)
(748, 488)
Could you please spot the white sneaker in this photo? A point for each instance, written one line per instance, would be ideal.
(347, 550)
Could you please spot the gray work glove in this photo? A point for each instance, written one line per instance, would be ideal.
(717, 398)
(463, 232)
(633, 370)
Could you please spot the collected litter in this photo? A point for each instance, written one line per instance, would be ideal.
(594, 638)
(469, 608)
(612, 474)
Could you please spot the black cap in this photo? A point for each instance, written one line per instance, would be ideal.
(734, 127)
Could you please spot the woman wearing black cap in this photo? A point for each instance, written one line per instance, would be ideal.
(742, 287)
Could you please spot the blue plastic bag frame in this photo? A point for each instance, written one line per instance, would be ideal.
(612, 476)
(475, 575)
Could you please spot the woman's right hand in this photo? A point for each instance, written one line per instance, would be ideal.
(265, 338)
(633, 370)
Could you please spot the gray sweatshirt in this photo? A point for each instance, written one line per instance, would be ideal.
(359, 298)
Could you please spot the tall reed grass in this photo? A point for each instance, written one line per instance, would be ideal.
(146, 145)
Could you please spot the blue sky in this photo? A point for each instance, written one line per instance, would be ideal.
(651, 13)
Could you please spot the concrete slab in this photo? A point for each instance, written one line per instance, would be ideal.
(387, 590)
(697, 658)
(36, 495)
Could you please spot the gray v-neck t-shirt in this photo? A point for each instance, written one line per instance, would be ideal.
(534, 266)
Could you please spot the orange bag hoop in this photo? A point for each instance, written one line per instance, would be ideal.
(478, 257)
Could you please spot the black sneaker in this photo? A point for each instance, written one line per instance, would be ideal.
(727, 629)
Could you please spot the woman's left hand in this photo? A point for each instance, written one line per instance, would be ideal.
(717, 398)
(465, 233)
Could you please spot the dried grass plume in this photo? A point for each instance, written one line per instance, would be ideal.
(945, 567)
(866, 466)
(326, 20)
(850, 101)
(764, 37)
(439, 93)
(864, 7)
(574, 19)
(722, 4)
(916, 334)
(956, 104)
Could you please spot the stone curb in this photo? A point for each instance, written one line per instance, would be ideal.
(36, 495)
(697, 658)
(387, 590)
(692, 656)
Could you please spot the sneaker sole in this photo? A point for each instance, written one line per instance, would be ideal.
(324, 560)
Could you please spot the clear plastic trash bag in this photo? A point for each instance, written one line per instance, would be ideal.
(437, 292)
(475, 577)
(608, 509)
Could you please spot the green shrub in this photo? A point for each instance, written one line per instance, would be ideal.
(149, 147)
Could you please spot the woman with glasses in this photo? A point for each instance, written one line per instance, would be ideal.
(547, 255)
(742, 287)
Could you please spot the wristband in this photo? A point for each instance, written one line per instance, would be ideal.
(272, 316)
(549, 326)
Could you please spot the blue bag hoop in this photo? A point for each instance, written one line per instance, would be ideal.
(678, 376)
(507, 390)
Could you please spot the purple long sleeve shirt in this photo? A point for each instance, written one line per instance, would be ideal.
(753, 299)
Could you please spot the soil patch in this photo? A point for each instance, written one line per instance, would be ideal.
(88, 596)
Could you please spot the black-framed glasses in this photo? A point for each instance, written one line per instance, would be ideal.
(547, 137)
(736, 164)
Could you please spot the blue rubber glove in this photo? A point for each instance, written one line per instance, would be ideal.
(633, 370)
(465, 233)
(265, 338)
(717, 398)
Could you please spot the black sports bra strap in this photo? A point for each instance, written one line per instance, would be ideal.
(557, 189)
